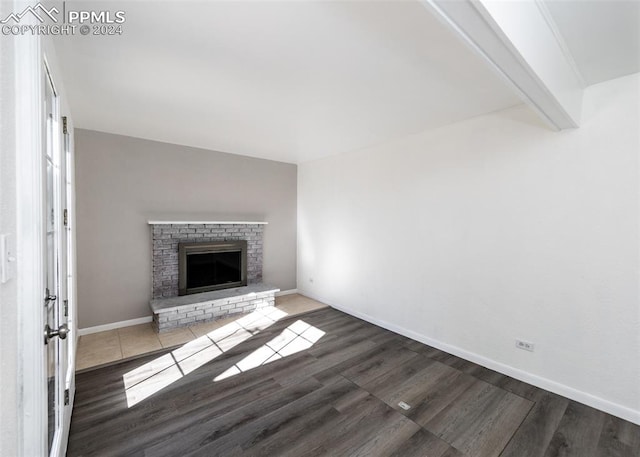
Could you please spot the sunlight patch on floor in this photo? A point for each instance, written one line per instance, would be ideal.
(156, 375)
(295, 338)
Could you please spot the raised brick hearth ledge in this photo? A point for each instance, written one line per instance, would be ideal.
(173, 312)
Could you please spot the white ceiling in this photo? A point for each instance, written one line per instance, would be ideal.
(287, 81)
(295, 81)
(602, 36)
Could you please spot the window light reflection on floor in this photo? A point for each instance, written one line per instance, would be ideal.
(295, 338)
(163, 371)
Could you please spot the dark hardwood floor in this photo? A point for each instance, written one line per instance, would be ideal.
(333, 390)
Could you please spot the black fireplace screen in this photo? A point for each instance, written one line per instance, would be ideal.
(211, 266)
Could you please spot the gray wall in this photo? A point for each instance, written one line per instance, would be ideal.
(122, 182)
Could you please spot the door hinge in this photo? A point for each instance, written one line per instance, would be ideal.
(48, 298)
(66, 396)
(66, 308)
(65, 129)
(65, 217)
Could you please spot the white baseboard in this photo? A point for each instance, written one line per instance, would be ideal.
(286, 292)
(114, 325)
(607, 406)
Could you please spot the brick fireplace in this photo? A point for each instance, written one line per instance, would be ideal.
(171, 310)
(167, 236)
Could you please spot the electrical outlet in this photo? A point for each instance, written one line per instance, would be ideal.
(525, 345)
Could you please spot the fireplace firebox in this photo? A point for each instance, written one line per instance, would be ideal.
(203, 267)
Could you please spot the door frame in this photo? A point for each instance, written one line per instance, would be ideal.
(32, 403)
(31, 57)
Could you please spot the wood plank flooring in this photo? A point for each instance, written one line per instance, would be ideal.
(326, 383)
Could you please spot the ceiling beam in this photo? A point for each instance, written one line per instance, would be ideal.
(520, 41)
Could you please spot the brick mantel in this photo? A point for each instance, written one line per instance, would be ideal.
(168, 222)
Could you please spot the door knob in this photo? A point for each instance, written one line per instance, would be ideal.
(49, 333)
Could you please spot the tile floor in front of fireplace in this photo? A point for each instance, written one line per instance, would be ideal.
(105, 347)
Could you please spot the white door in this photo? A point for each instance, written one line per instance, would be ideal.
(56, 293)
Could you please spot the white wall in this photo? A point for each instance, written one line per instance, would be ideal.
(8, 291)
(492, 229)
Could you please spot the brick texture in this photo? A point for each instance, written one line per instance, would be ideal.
(210, 310)
(165, 251)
